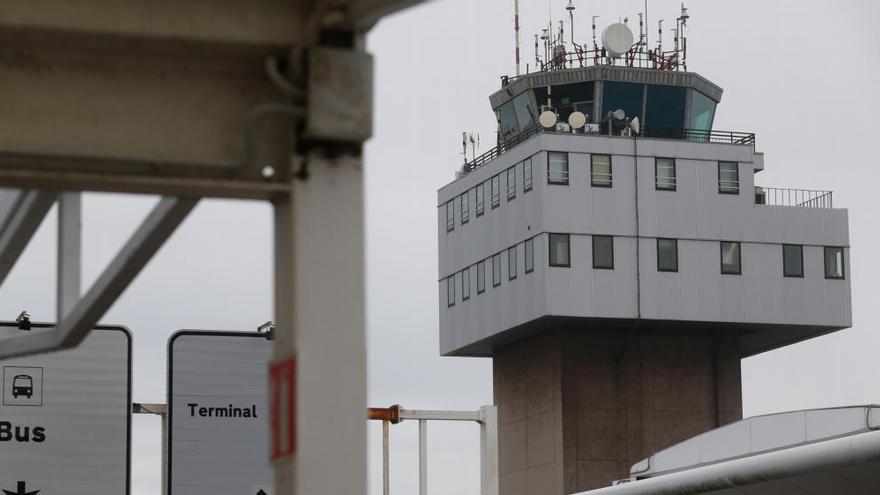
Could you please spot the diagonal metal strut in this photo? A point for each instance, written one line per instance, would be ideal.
(128, 263)
(26, 211)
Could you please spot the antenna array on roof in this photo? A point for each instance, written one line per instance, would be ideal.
(619, 46)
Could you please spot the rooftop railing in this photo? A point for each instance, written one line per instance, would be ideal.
(801, 198)
(693, 135)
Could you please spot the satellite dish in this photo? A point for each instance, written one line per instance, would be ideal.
(577, 120)
(548, 119)
(618, 114)
(617, 39)
(635, 125)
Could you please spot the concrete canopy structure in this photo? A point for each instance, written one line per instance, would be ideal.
(834, 450)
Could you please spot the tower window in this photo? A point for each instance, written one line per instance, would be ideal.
(560, 250)
(466, 284)
(450, 291)
(731, 258)
(600, 170)
(450, 216)
(557, 167)
(603, 252)
(511, 183)
(494, 190)
(481, 277)
(728, 177)
(480, 197)
(667, 255)
(834, 267)
(792, 260)
(530, 255)
(496, 270)
(465, 208)
(527, 175)
(664, 170)
(511, 263)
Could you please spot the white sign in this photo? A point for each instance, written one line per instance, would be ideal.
(218, 430)
(65, 417)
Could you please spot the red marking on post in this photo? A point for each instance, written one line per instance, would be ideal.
(282, 376)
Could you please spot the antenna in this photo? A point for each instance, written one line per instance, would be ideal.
(516, 31)
(647, 39)
(570, 9)
(660, 38)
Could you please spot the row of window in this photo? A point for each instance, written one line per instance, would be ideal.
(512, 268)
(667, 256)
(479, 190)
(559, 249)
(557, 173)
(664, 172)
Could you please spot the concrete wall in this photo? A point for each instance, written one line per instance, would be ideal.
(695, 213)
(578, 408)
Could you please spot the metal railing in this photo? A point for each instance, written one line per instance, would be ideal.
(693, 135)
(486, 416)
(801, 198)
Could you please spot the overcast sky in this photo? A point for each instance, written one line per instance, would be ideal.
(800, 74)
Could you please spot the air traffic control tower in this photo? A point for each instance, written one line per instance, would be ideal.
(615, 257)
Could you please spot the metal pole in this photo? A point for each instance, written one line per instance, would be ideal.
(423, 457)
(164, 453)
(386, 474)
(69, 252)
(489, 472)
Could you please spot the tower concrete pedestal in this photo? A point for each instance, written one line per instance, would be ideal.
(579, 406)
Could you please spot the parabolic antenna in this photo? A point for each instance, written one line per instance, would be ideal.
(617, 39)
(547, 119)
(577, 120)
(618, 114)
(635, 125)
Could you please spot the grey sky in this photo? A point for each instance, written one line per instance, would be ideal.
(801, 74)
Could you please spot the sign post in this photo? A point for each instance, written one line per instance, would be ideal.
(218, 413)
(65, 417)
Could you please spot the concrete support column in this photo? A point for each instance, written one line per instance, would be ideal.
(579, 406)
(320, 311)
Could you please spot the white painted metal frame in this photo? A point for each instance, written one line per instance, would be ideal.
(84, 314)
(486, 416)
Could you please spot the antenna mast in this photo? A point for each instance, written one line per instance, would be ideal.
(516, 30)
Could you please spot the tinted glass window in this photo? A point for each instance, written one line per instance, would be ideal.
(559, 250)
(465, 208)
(481, 198)
(530, 255)
(465, 284)
(511, 263)
(450, 216)
(481, 277)
(665, 170)
(568, 98)
(728, 177)
(665, 108)
(527, 175)
(792, 261)
(450, 291)
(731, 263)
(667, 255)
(603, 252)
(600, 170)
(834, 262)
(557, 167)
(507, 120)
(495, 186)
(702, 112)
(511, 183)
(623, 96)
(496, 270)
